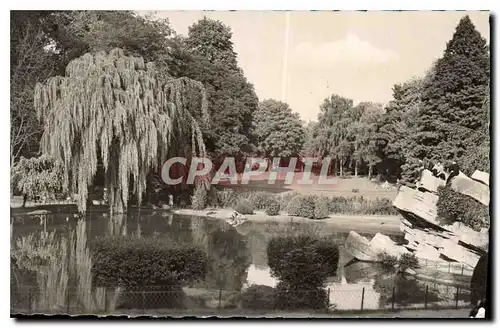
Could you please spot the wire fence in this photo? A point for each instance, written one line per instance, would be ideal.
(450, 267)
(109, 301)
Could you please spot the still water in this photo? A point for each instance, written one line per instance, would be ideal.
(45, 267)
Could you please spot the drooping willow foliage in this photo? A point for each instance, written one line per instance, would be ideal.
(120, 111)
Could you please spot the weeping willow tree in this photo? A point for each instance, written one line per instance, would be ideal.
(120, 111)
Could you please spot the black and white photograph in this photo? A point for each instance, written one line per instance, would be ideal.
(250, 164)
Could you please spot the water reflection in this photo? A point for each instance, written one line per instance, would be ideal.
(57, 255)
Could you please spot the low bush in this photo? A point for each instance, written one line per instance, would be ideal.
(258, 297)
(321, 208)
(261, 199)
(379, 206)
(289, 297)
(139, 262)
(199, 197)
(389, 262)
(341, 205)
(355, 190)
(453, 206)
(408, 261)
(244, 207)
(226, 198)
(273, 208)
(302, 259)
(301, 206)
(285, 199)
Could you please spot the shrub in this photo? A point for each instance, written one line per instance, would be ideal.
(199, 198)
(262, 199)
(258, 297)
(301, 206)
(321, 208)
(273, 208)
(453, 206)
(226, 197)
(355, 190)
(244, 207)
(389, 262)
(285, 198)
(379, 206)
(304, 260)
(341, 205)
(138, 262)
(37, 177)
(288, 297)
(408, 261)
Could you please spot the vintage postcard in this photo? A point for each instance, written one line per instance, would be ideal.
(321, 164)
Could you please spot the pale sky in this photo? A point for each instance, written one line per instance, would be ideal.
(359, 55)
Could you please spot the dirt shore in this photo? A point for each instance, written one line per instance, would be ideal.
(387, 224)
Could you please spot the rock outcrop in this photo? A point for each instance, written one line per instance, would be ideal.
(368, 250)
(426, 237)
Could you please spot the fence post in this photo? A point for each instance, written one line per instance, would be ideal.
(144, 300)
(393, 296)
(462, 270)
(456, 299)
(426, 262)
(362, 298)
(220, 296)
(68, 295)
(106, 300)
(30, 304)
(328, 299)
(449, 267)
(426, 294)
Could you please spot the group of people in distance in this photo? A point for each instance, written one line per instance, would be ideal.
(439, 170)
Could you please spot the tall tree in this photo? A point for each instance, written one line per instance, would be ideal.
(119, 110)
(30, 62)
(279, 132)
(232, 100)
(396, 128)
(453, 99)
(363, 134)
(211, 39)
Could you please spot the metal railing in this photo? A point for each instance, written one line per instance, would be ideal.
(29, 300)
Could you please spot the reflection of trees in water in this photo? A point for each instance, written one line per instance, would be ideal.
(199, 233)
(117, 225)
(46, 254)
(62, 266)
(228, 258)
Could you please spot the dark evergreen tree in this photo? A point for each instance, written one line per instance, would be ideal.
(453, 99)
(232, 100)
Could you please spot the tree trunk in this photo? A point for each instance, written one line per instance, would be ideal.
(370, 171)
(25, 198)
(341, 168)
(355, 168)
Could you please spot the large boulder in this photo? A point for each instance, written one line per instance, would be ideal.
(481, 176)
(467, 186)
(459, 253)
(359, 247)
(381, 243)
(421, 204)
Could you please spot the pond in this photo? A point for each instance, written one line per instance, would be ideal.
(47, 275)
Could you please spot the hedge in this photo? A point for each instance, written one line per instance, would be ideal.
(139, 262)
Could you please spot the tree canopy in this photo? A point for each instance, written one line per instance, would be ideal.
(117, 109)
(208, 56)
(279, 131)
